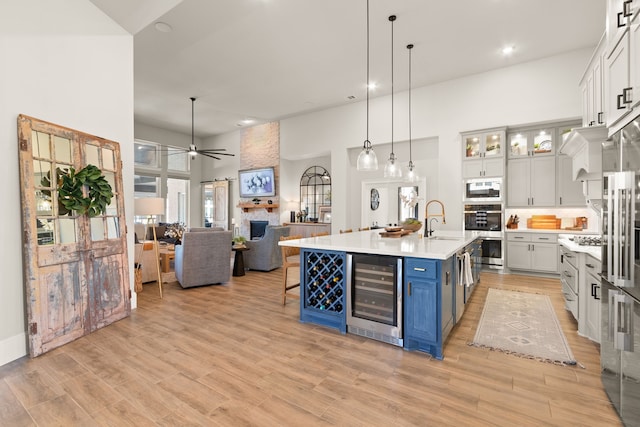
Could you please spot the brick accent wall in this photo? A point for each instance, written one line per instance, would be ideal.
(259, 148)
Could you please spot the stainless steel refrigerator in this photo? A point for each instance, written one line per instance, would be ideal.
(620, 291)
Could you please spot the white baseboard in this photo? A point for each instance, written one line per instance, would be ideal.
(13, 348)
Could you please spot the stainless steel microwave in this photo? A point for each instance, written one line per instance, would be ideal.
(483, 190)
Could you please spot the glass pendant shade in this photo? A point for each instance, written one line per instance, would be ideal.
(367, 160)
(392, 169)
(412, 174)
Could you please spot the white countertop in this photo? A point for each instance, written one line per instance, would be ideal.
(370, 242)
(594, 251)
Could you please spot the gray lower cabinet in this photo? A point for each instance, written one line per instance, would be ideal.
(592, 298)
(532, 252)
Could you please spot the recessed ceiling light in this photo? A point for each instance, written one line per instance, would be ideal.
(507, 50)
(163, 27)
(247, 121)
(372, 85)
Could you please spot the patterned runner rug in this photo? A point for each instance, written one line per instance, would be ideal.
(523, 324)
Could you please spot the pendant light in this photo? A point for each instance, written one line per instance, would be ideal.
(367, 160)
(412, 174)
(392, 168)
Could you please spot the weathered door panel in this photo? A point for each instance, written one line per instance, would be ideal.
(62, 304)
(108, 296)
(75, 268)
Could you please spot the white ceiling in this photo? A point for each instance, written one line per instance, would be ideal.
(271, 59)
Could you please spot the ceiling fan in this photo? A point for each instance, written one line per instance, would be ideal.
(193, 150)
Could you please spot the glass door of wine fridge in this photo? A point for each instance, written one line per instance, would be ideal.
(374, 297)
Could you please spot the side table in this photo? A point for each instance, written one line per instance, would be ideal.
(238, 262)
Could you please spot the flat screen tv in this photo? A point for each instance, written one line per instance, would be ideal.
(257, 182)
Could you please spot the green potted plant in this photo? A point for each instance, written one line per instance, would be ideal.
(238, 241)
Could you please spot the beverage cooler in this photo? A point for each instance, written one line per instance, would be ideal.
(374, 297)
(620, 320)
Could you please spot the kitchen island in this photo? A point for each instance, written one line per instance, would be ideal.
(426, 294)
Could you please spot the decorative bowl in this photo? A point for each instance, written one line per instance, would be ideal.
(413, 227)
(392, 229)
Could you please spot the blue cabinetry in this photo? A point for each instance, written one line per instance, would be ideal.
(428, 304)
(322, 291)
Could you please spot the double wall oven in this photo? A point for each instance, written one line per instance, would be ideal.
(488, 220)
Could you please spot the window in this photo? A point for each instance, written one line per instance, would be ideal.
(146, 154)
(177, 200)
(163, 171)
(178, 159)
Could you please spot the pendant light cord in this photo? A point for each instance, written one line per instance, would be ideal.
(367, 73)
(410, 46)
(392, 18)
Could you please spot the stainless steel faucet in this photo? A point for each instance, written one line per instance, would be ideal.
(426, 213)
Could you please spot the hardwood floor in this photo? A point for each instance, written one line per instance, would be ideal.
(233, 355)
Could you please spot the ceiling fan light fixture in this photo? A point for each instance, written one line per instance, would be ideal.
(367, 159)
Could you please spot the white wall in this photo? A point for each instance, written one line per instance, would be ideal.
(538, 91)
(67, 63)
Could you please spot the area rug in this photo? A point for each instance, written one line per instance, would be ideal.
(522, 324)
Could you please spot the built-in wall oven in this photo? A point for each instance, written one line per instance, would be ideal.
(374, 297)
(487, 219)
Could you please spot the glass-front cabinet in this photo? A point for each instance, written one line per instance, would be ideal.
(488, 144)
(534, 142)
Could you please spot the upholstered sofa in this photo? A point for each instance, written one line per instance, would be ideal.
(203, 258)
(264, 254)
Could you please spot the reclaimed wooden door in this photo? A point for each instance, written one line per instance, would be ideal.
(76, 271)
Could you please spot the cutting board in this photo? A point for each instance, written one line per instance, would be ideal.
(548, 222)
(395, 233)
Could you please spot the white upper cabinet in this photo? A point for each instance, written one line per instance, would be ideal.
(592, 88)
(483, 145)
(483, 153)
(538, 142)
(622, 65)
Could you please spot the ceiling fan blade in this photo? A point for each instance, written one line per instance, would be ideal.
(209, 155)
(215, 152)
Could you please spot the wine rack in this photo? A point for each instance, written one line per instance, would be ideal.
(323, 298)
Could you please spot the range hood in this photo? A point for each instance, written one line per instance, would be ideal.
(584, 146)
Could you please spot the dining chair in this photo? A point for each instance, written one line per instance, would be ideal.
(290, 260)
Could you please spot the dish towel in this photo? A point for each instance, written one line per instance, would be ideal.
(466, 275)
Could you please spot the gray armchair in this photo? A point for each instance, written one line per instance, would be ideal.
(203, 258)
(264, 254)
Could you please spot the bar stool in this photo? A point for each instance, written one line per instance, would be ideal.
(348, 230)
(320, 233)
(290, 259)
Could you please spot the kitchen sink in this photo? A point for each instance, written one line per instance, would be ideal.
(444, 238)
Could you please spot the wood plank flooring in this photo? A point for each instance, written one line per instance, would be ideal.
(232, 355)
